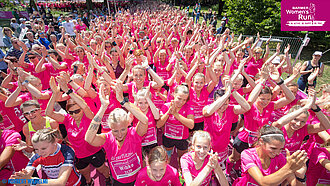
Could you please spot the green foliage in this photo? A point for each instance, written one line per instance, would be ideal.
(252, 16)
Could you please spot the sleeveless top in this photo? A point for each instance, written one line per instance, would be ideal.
(118, 70)
(309, 67)
(31, 129)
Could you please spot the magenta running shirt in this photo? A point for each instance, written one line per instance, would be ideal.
(219, 128)
(294, 143)
(188, 165)
(174, 129)
(198, 103)
(316, 173)
(170, 178)
(150, 137)
(76, 136)
(250, 158)
(253, 121)
(124, 162)
(18, 161)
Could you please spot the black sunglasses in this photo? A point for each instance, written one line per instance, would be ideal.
(71, 112)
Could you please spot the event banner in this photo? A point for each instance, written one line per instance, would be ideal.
(305, 15)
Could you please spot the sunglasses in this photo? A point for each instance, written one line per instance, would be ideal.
(80, 51)
(32, 57)
(71, 112)
(257, 52)
(33, 111)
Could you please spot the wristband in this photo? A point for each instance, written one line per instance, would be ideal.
(124, 101)
(310, 85)
(280, 83)
(207, 66)
(267, 43)
(47, 56)
(318, 109)
(77, 88)
(248, 47)
(70, 81)
(148, 68)
(69, 91)
(303, 180)
(180, 59)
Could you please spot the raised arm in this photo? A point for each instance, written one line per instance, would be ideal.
(82, 104)
(294, 162)
(59, 117)
(142, 125)
(91, 135)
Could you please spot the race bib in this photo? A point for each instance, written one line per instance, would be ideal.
(126, 167)
(6, 123)
(150, 137)
(174, 131)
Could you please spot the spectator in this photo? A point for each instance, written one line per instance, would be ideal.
(69, 26)
(3, 64)
(8, 34)
(15, 50)
(15, 26)
(30, 41)
(43, 39)
(308, 67)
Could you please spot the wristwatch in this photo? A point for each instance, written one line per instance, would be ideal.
(124, 101)
(25, 82)
(69, 91)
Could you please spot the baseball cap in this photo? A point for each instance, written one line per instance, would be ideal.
(276, 60)
(317, 53)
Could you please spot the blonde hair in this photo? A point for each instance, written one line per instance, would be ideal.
(200, 134)
(117, 116)
(141, 93)
(324, 87)
(48, 135)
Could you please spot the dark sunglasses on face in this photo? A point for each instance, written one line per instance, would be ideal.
(71, 112)
(33, 111)
(32, 57)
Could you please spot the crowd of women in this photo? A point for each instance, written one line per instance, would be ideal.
(134, 91)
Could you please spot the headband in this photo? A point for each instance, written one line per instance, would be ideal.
(269, 135)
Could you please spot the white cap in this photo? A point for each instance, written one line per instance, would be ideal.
(317, 53)
(277, 60)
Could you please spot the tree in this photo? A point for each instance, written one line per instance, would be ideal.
(252, 16)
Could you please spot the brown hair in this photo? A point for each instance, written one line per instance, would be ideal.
(157, 154)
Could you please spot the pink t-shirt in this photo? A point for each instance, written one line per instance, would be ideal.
(253, 66)
(294, 143)
(13, 118)
(277, 114)
(157, 100)
(316, 173)
(124, 162)
(250, 158)
(114, 103)
(253, 121)
(76, 136)
(198, 103)
(132, 87)
(188, 165)
(170, 178)
(161, 69)
(18, 161)
(150, 137)
(174, 129)
(219, 128)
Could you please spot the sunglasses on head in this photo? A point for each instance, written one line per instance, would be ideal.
(33, 111)
(71, 112)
